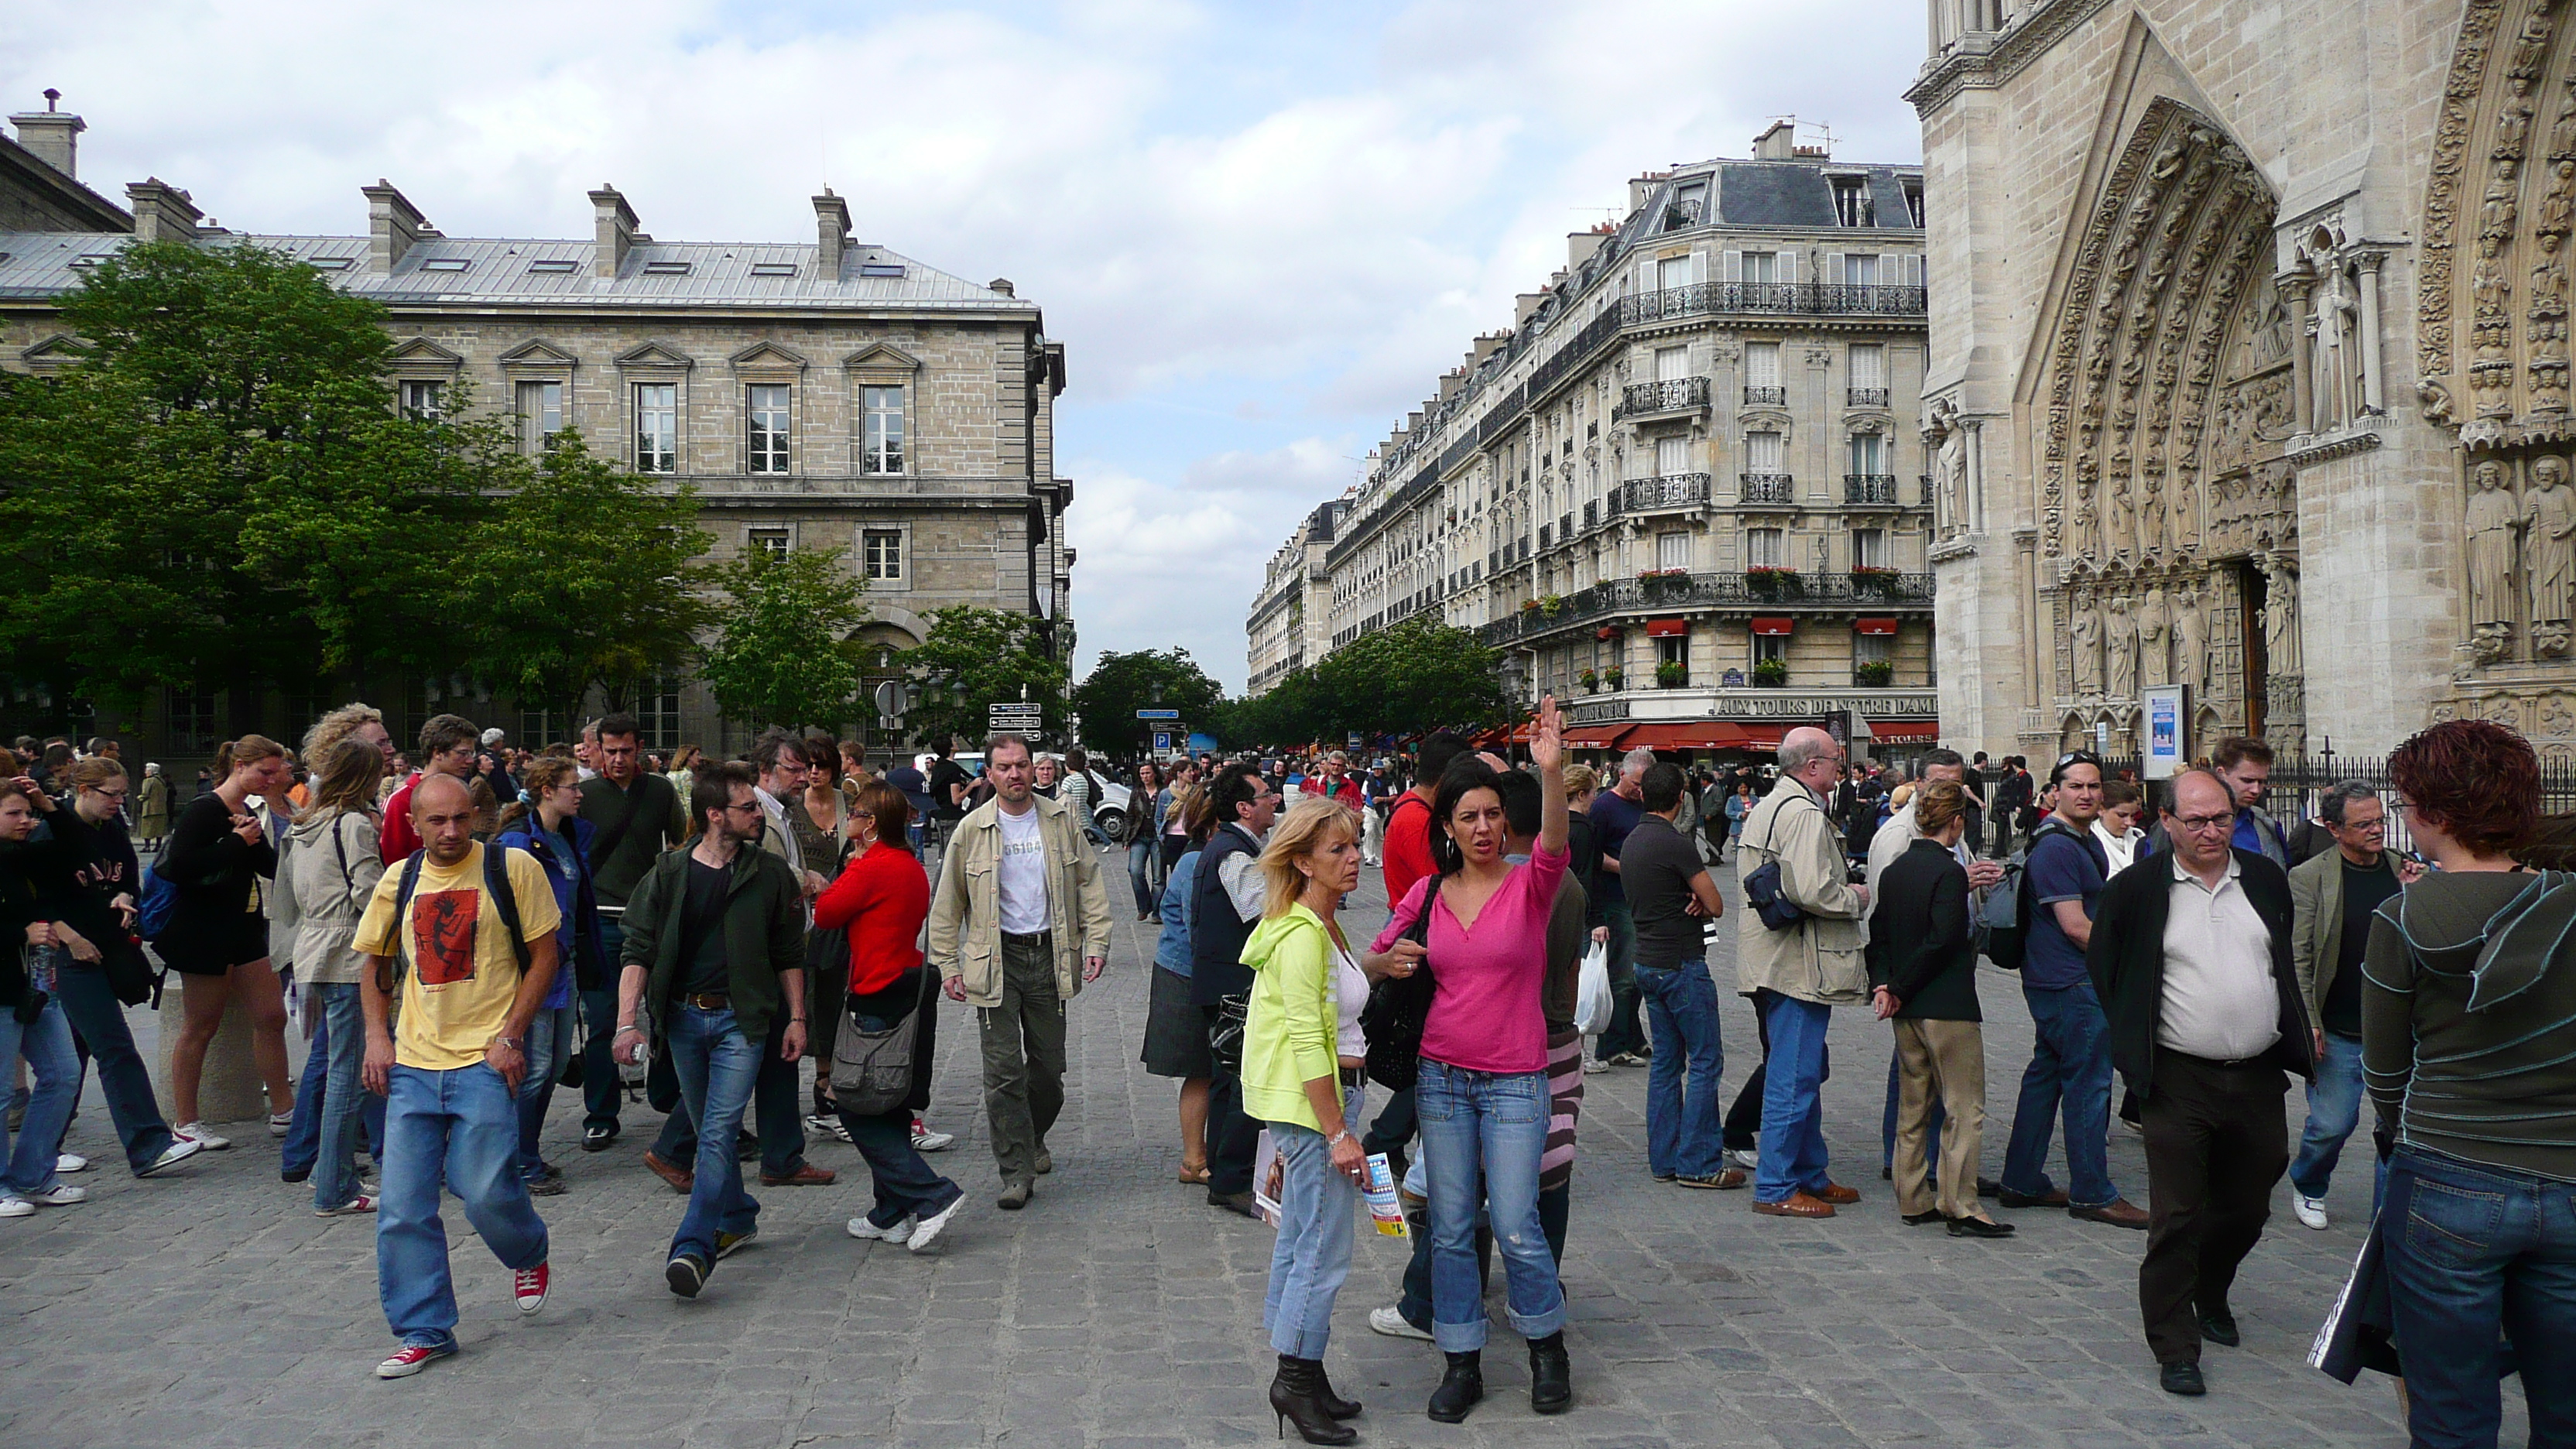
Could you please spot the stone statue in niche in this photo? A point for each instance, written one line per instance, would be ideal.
(2556, 214)
(2084, 632)
(2330, 383)
(2117, 544)
(2503, 202)
(2494, 527)
(2155, 623)
(2151, 515)
(2549, 541)
(1950, 466)
(2284, 652)
(2121, 633)
(2267, 340)
(2190, 642)
(2513, 122)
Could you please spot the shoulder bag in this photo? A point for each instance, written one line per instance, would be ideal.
(1762, 885)
(1398, 1008)
(871, 1061)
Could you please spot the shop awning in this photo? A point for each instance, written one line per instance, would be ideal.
(1874, 626)
(1905, 731)
(1703, 735)
(1774, 626)
(1594, 737)
(1667, 628)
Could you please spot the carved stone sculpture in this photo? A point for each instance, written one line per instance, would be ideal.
(2118, 541)
(2191, 642)
(2281, 642)
(2494, 527)
(2549, 524)
(2151, 516)
(2084, 633)
(2121, 631)
(2154, 647)
(2330, 384)
(1950, 466)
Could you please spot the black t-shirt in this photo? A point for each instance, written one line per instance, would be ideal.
(702, 944)
(943, 775)
(2363, 891)
(1656, 865)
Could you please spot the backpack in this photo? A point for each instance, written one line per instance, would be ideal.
(496, 884)
(2006, 920)
(154, 907)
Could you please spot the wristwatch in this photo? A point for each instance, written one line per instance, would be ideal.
(1338, 1138)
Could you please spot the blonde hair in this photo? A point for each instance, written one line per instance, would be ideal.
(231, 755)
(1310, 826)
(336, 726)
(1937, 804)
(1579, 780)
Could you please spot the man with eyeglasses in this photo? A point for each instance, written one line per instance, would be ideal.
(2191, 955)
(2070, 1059)
(2332, 897)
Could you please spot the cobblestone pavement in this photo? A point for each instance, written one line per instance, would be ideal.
(213, 1308)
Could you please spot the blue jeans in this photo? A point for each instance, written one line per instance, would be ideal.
(776, 1117)
(303, 1144)
(340, 1044)
(2070, 1066)
(906, 1186)
(550, 1039)
(91, 1007)
(1144, 867)
(46, 1043)
(459, 1128)
(1682, 1123)
(1887, 1127)
(1313, 1254)
(1793, 1108)
(1624, 1033)
(717, 1066)
(602, 1090)
(2478, 1251)
(1493, 1123)
(2334, 1110)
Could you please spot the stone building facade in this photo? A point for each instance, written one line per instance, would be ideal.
(2249, 366)
(1684, 490)
(828, 394)
(1286, 631)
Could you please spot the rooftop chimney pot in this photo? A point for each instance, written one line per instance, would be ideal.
(52, 136)
(614, 231)
(393, 226)
(162, 212)
(832, 233)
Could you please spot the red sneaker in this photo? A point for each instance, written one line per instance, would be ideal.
(412, 1358)
(529, 1286)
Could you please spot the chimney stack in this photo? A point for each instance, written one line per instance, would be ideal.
(162, 212)
(1779, 142)
(614, 230)
(1580, 245)
(52, 136)
(1001, 287)
(832, 231)
(393, 225)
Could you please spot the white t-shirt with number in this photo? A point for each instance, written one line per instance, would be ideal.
(1023, 882)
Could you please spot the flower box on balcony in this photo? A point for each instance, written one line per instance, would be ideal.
(1871, 581)
(1614, 676)
(1552, 605)
(1876, 674)
(1771, 673)
(1773, 583)
(1671, 674)
(1665, 574)
(1590, 681)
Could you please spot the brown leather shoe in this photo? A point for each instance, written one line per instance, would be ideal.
(2119, 1213)
(806, 1176)
(681, 1179)
(2054, 1197)
(1795, 1205)
(1837, 1194)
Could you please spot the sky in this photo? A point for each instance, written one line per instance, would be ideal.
(1260, 230)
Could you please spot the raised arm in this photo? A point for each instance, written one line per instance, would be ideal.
(1547, 751)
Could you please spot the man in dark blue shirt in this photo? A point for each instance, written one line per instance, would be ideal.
(2070, 1060)
(1615, 812)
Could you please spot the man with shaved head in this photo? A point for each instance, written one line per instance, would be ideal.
(462, 936)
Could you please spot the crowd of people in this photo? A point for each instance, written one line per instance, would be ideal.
(462, 939)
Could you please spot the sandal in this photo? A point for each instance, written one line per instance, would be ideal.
(1189, 1178)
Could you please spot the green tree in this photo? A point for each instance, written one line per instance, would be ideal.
(1420, 675)
(1121, 684)
(583, 576)
(781, 655)
(978, 657)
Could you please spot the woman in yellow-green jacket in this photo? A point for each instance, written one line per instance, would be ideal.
(1302, 1055)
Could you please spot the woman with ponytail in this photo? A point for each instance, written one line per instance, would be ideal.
(218, 934)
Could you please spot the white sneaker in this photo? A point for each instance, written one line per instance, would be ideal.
(71, 1162)
(1391, 1323)
(280, 1123)
(928, 1228)
(61, 1194)
(861, 1228)
(202, 1135)
(16, 1207)
(926, 1140)
(1745, 1158)
(1594, 1064)
(179, 1150)
(364, 1202)
(2311, 1211)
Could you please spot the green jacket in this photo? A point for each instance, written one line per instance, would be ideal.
(764, 934)
(1290, 1034)
(654, 819)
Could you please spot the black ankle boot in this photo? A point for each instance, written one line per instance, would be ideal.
(1334, 1404)
(1551, 1377)
(1460, 1388)
(1293, 1398)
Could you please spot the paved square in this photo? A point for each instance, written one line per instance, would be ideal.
(213, 1308)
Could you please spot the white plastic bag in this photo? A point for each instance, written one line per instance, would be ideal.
(1592, 992)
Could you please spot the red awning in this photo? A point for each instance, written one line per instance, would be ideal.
(1703, 735)
(1594, 737)
(1773, 626)
(1874, 626)
(1905, 731)
(1667, 628)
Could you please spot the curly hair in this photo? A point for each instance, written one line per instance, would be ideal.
(2474, 780)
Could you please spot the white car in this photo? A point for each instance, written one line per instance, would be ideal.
(1110, 811)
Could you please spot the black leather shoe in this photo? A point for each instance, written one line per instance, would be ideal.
(1293, 1398)
(1979, 1228)
(1334, 1404)
(596, 1139)
(1551, 1376)
(1988, 1187)
(1233, 1202)
(2181, 1378)
(1460, 1388)
(1917, 1220)
(2218, 1326)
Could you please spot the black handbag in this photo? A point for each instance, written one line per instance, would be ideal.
(1397, 1009)
(129, 971)
(1225, 1033)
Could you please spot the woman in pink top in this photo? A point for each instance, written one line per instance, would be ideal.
(1482, 1090)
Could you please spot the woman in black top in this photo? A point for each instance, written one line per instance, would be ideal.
(1923, 973)
(218, 937)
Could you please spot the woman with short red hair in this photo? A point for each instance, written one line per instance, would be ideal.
(2468, 1024)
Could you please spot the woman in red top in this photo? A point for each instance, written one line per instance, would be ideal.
(882, 898)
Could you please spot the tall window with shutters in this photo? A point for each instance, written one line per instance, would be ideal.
(1762, 375)
(1766, 548)
(541, 414)
(1672, 457)
(1868, 375)
(1859, 270)
(1672, 550)
(1762, 452)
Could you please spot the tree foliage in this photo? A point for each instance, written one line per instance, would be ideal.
(977, 657)
(782, 653)
(1418, 676)
(1121, 684)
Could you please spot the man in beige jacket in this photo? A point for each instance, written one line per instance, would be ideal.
(1797, 974)
(1020, 900)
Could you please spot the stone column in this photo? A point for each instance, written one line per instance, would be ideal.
(2294, 288)
(229, 1090)
(2366, 349)
(1975, 522)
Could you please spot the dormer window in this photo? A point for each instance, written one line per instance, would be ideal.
(1914, 202)
(1852, 205)
(1687, 206)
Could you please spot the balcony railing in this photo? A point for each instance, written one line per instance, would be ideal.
(1651, 495)
(1546, 535)
(1702, 298)
(1865, 397)
(1591, 516)
(1770, 488)
(1678, 591)
(1756, 397)
(1680, 394)
(1869, 490)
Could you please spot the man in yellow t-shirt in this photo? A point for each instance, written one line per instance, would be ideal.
(447, 1055)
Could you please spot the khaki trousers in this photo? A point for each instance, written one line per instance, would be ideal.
(1947, 1059)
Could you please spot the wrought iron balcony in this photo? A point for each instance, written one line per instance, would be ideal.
(1586, 608)
(1654, 495)
(1757, 397)
(1565, 523)
(1676, 395)
(1546, 535)
(1591, 515)
(1870, 490)
(1699, 299)
(1865, 397)
(1765, 488)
